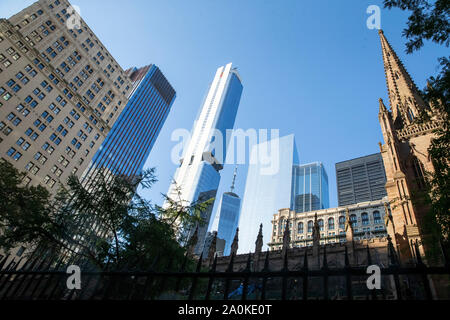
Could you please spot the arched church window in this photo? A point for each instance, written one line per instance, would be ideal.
(419, 173)
(410, 115)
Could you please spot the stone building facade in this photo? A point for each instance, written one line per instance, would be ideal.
(367, 219)
(60, 93)
(407, 131)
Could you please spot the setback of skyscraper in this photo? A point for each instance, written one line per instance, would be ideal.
(197, 179)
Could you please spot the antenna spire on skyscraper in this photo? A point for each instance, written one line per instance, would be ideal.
(234, 179)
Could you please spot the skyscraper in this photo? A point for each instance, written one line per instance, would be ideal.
(197, 178)
(361, 179)
(132, 137)
(309, 188)
(229, 211)
(265, 194)
(61, 92)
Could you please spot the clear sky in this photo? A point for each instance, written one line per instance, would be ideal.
(311, 68)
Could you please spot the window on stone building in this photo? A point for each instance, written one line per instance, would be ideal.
(310, 225)
(300, 227)
(353, 220)
(320, 222)
(419, 173)
(410, 114)
(330, 223)
(364, 218)
(376, 217)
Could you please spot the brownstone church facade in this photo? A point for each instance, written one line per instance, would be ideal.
(407, 131)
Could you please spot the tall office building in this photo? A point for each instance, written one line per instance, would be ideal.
(309, 188)
(229, 210)
(61, 92)
(197, 178)
(132, 137)
(265, 194)
(360, 180)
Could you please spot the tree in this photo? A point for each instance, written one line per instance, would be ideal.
(184, 216)
(431, 21)
(104, 221)
(428, 21)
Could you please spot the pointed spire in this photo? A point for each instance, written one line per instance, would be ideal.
(383, 108)
(192, 242)
(234, 179)
(259, 241)
(234, 245)
(404, 96)
(316, 230)
(286, 237)
(212, 247)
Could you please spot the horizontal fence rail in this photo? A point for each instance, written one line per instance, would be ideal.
(36, 280)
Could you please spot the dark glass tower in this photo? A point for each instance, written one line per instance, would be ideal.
(128, 145)
(361, 179)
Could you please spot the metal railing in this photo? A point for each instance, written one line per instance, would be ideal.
(37, 280)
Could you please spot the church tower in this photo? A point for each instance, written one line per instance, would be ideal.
(407, 131)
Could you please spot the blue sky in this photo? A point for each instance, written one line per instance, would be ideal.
(311, 68)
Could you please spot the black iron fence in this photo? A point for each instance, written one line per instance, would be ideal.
(38, 281)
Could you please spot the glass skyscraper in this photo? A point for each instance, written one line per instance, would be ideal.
(264, 193)
(309, 188)
(128, 144)
(229, 210)
(198, 177)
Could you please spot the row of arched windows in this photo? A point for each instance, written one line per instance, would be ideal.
(331, 223)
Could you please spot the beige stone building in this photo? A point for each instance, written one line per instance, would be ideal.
(407, 131)
(60, 93)
(367, 219)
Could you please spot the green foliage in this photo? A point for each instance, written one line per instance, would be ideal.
(23, 210)
(428, 21)
(183, 216)
(104, 221)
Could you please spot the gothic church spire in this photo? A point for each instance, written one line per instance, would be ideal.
(406, 103)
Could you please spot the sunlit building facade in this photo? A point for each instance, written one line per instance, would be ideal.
(265, 193)
(128, 145)
(197, 179)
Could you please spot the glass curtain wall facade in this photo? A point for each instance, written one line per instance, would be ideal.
(203, 157)
(228, 220)
(128, 145)
(309, 188)
(265, 194)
